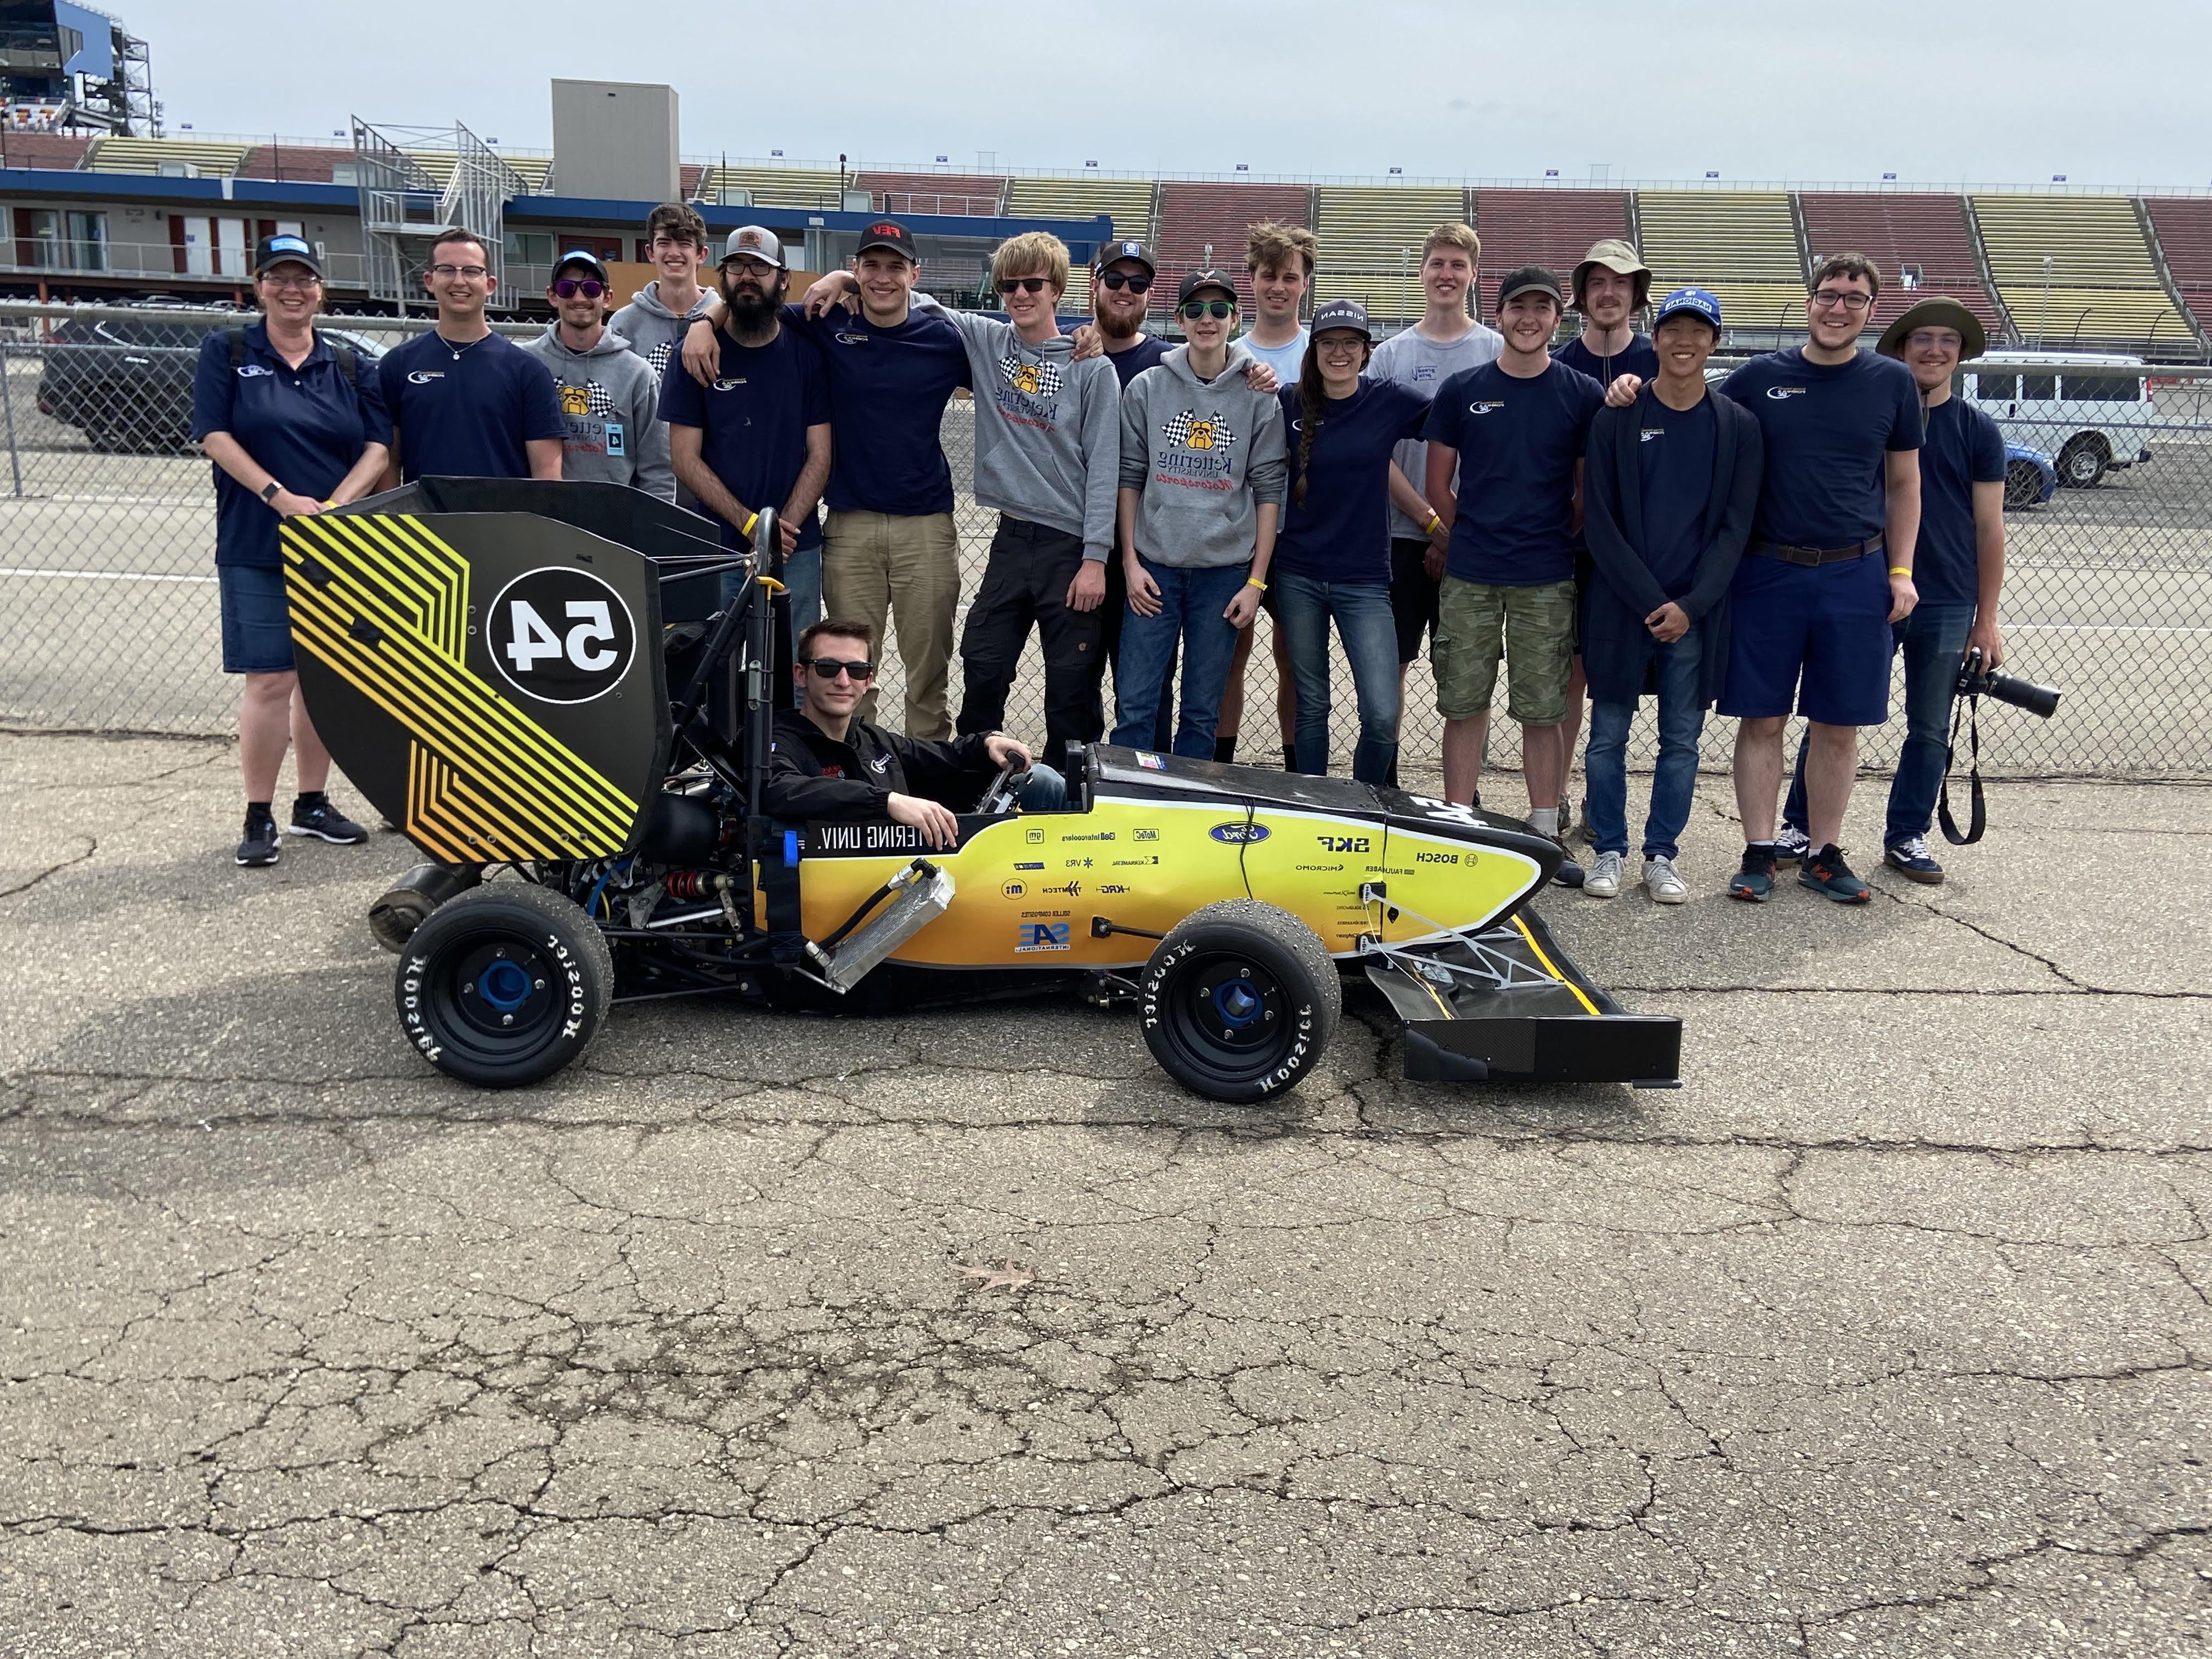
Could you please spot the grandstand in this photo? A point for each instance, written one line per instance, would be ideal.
(2183, 225)
(533, 168)
(1919, 242)
(2078, 270)
(1371, 238)
(797, 187)
(976, 195)
(207, 158)
(1194, 216)
(1553, 228)
(299, 164)
(61, 150)
(1129, 202)
(1741, 244)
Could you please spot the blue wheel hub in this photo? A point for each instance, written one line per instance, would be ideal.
(504, 984)
(1237, 1004)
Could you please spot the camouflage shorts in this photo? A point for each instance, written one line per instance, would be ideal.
(1532, 628)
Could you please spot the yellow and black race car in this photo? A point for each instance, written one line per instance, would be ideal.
(539, 683)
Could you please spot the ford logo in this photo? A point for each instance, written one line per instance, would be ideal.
(1239, 835)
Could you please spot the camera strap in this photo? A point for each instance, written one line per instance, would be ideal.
(1977, 815)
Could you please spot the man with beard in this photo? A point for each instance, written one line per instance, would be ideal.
(758, 433)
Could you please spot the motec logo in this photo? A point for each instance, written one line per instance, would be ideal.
(560, 635)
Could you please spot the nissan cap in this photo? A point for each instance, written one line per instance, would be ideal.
(1342, 314)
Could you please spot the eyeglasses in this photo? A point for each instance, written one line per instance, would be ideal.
(474, 273)
(1027, 284)
(570, 287)
(756, 270)
(302, 281)
(1827, 299)
(1339, 345)
(1135, 281)
(1207, 307)
(1923, 339)
(828, 668)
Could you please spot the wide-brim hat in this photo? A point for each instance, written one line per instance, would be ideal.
(1937, 311)
(1619, 258)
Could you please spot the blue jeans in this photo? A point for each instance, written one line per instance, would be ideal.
(1673, 778)
(802, 581)
(1934, 640)
(1191, 604)
(1368, 628)
(1045, 791)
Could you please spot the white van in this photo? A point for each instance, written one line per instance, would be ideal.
(2087, 412)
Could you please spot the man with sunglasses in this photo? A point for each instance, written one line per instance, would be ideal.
(466, 403)
(828, 762)
(609, 395)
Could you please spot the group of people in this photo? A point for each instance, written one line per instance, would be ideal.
(1594, 516)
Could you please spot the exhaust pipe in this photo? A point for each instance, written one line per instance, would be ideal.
(394, 918)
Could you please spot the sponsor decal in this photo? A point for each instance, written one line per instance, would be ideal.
(424, 376)
(1075, 864)
(1043, 936)
(1036, 865)
(1113, 887)
(850, 338)
(1124, 864)
(1151, 763)
(254, 371)
(1072, 889)
(1239, 835)
(1651, 432)
(1034, 837)
(731, 383)
(1014, 889)
(836, 838)
(881, 764)
(1103, 835)
(1343, 843)
(1485, 406)
(1439, 858)
(1144, 835)
(1028, 915)
(1320, 866)
(1784, 393)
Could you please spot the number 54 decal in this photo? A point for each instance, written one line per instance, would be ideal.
(589, 645)
(561, 634)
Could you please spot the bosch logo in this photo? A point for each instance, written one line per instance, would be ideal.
(1239, 835)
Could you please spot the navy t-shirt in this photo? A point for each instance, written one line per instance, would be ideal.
(1639, 357)
(1518, 441)
(468, 415)
(1145, 354)
(888, 388)
(752, 421)
(1963, 447)
(307, 426)
(1675, 466)
(1341, 531)
(1829, 430)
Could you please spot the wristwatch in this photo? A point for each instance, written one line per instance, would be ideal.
(269, 491)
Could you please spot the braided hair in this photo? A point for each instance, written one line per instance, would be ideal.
(1312, 397)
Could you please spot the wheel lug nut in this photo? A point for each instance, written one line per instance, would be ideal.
(538, 983)
(507, 1019)
(470, 989)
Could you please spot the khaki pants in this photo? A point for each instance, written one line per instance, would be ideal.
(873, 563)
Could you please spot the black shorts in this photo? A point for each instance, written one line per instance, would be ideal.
(1412, 595)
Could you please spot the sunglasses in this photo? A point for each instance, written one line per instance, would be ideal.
(828, 668)
(570, 287)
(1208, 307)
(1135, 282)
(1027, 284)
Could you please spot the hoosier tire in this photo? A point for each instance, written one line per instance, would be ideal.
(504, 984)
(1239, 1002)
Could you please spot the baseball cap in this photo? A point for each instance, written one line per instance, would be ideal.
(1342, 314)
(1110, 251)
(1205, 279)
(756, 242)
(583, 257)
(1694, 300)
(1529, 279)
(1937, 311)
(891, 234)
(1618, 257)
(276, 250)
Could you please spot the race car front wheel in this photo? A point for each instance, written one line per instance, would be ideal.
(504, 984)
(1240, 1001)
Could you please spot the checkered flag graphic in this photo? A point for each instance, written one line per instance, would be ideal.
(601, 404)
(1189, 430)
(1032, 379)
(659, 356)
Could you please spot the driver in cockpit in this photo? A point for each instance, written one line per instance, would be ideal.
(827, 764)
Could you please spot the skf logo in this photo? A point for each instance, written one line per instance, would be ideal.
(1484, 408)
(1043, 936)
(1239, 835)
(1784, 393)
(1343, 843)
(1014, 889)
(424, 376)
(1191, 431)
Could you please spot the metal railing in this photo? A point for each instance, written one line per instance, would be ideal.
(108, 595)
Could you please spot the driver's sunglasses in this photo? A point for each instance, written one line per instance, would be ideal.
(1135, 281)
(570, 287)
(1027, 284)
(1208, 307)
(828, 668)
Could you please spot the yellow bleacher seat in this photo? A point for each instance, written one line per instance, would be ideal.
(439, 164)
(1740, 245)
(208, 158)
(788, 187)
(2103, 285)
(1369, 240)
(1129, 202)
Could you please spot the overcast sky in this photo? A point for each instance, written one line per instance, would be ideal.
(1756, 89)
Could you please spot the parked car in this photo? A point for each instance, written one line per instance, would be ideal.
(2091, 411)
(2030, 478)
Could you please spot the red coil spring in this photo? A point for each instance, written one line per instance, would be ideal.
(690, 884)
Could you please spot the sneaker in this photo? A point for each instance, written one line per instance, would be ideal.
(1604, 878)
(1911, 858)
(1664, 883)
(1790, 847)
(1570, 873)
(1581, 817)
(325, 823)
(1755, 881)
(1824, 872)
(260, 846)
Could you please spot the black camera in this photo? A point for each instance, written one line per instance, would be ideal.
(1976, 681)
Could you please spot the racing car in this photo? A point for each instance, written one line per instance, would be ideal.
(543, 686)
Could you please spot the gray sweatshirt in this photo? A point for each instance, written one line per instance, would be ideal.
(655, 332)
(1047, 429)
(1204, 455)
(609, 401)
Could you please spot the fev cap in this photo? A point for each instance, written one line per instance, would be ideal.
(276, 250)
(1109, 253)
(755, 242)
(583, 257)
(1527, 279)
(891, 234)
(1618, 257)
(1694, 300)
(1937, 311)
(1342, 314)
(1205, 279)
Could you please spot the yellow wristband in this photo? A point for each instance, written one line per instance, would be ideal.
(1898, 570)
(748, 524)
(1436, 523)
(330, 503)
(1254, 581)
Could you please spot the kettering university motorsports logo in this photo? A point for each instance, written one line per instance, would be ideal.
(1200, 451)
(1029, 393)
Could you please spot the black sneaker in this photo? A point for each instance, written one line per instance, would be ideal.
(325, 823)
(1570, 873)
(260, 846)
(1754, 883)
(1824, 872)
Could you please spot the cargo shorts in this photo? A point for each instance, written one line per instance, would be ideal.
(1532, 628)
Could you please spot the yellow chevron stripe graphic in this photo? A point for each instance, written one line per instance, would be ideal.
(409, 561)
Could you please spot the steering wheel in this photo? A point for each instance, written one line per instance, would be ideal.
(1001, 796)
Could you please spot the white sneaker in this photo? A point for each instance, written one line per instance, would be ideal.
(1790, 846)
(1664, 883)
(1604, 878)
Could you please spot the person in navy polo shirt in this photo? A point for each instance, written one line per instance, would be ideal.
(1958, 567)
(1514, 431)
(465, 402)
(292, 426)
(1332, 555)
(890, 544)
(759, 435)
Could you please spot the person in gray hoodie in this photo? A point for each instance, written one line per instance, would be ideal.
(610, 397)
(653, 322)
(1203, 471)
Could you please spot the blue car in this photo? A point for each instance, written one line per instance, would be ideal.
(2030, 478)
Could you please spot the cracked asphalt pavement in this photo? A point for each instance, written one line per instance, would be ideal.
(1885, 1335)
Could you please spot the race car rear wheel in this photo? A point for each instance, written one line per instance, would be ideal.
(1239, 1002)
(504, 984)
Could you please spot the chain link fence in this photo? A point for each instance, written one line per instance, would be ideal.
(108, 596)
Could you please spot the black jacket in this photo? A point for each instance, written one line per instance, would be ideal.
(811, 776)
(1617, 647)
